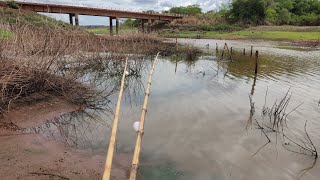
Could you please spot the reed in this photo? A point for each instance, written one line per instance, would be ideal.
(277, 123)
(226, 48)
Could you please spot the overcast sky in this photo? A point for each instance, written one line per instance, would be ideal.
(133, 5)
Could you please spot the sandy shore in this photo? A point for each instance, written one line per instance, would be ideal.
(31, 156)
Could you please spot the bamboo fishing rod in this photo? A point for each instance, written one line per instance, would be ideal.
(136, 155)
(112, 142)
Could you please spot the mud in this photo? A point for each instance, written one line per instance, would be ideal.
(31, 156)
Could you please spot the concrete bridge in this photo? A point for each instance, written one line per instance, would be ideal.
(75, 11)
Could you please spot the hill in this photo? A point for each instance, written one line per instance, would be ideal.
(14, 16)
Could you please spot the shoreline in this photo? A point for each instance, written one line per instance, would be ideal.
(32, 155)
(303, 43)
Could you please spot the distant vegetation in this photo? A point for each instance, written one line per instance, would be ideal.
(236, 18)
(279, 12)
(13, 4)
(254, 12)
(258, 12)
(188, 10)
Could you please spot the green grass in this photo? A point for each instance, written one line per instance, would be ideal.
(106, 30)
(100, 30)
(5, 34)
(250, 34)
(287, 28)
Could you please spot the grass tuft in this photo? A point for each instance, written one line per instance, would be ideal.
(5, 34)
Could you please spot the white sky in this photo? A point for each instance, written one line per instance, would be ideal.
(132, 5)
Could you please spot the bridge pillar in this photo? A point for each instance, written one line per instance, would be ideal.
(142, 25)
(76, 19)
(111, 25)
(117, 25)
(71, 19)
(149, 25)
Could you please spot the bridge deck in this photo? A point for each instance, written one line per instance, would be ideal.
(64, 9)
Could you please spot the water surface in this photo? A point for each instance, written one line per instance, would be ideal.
(198, 112)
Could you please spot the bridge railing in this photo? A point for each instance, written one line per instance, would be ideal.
(102, 7)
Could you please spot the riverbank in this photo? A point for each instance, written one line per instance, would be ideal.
(34, 149)
(59, 87)
(279, 33)
(56, 79)
(301, 35)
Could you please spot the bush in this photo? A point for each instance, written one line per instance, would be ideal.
(204, 22)
(13, 5)
(58, 62)
(311, 19)
(205, 27)
(188, 10)
(284, 16)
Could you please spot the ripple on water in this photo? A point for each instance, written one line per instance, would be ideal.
(198, 111)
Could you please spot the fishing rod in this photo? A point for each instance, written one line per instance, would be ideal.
(136, 155)
(112, 142)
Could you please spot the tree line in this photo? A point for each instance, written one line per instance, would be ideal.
(277, 12)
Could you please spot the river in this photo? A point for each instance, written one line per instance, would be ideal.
(198, 113)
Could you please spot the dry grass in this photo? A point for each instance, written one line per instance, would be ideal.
(54, 61)
(31, 40)
(202, 19)
(275, 121)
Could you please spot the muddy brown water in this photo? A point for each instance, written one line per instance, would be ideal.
(198, 112)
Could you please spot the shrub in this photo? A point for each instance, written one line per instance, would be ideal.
(13, 5)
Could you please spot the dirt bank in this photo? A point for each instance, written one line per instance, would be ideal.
(31, 156)
(34, 115)
(301, 43)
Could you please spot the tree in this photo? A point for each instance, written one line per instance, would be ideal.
(132, 23)
(12, 4)
(295, 12)
(248, 11)
(272, 15)
(298, 12)
(188, 10)
(287, 4)
(284, 16)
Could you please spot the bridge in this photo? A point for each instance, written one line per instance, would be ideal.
(75, 11)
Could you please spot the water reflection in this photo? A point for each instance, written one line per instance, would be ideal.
(83, 128)
(206, 116)
(77, 129)
(198, 112)
(254, 84)
(189, 61)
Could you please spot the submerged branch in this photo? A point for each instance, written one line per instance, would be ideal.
(278, 124)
